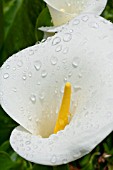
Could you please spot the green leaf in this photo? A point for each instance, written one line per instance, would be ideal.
(20, 19)
(1, 25)
(84, 160)
(5, 146)
(5, 161)
(6, 126)
(41, 167)
(61, 167)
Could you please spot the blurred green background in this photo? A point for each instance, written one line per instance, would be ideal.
(19, 20)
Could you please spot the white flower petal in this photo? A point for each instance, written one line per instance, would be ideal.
(32, 84)
(51, 29)
(62, 148)
(63, 11)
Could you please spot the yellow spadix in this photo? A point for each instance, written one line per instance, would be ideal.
(63, 115)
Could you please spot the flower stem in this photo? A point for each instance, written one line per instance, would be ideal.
(61, 167)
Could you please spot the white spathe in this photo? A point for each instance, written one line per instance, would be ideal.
(31, 89)
(63, 11)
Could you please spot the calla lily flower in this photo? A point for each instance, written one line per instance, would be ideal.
(32, 85)
(63, 11)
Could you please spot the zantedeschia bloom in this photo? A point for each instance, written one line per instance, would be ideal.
(32, 83)
(63, 11)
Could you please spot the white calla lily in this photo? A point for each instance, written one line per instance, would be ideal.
(32, 83)
(63, 11)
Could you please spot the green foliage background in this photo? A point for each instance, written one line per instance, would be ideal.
(19, 20)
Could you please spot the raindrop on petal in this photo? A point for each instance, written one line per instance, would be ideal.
(85, 18)
(14, 68)
(24, 77)
(14, 89)
(59, 48)
(67, 37)
(27, 142)
(30, 74)
(56, 40)
(70, 74)
(31, 52)
(41, 96)
(19, 64)
(65, 51)
(64, 161)
(94, 25)
(77, 88)
(75, 62)
(53, 159)
(76, 22)
(37, 65)
(30, 118)
(6, 75)
(54, 60)
(38, 83)
(44, 73)
(33, 98)
(8, 66)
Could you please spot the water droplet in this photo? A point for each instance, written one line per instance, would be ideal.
(7, 66)
(59, 48)
(20, 63)
(37, 120)
(6, 75)
(67, 37)
(41, 96)
(30, 118)
(30, 74)
(54, 60)
(64, 161)
(24, 77)
(86, 114)
(71, 31)
(77, 155)
(76, 22)
(56, 40)
(77, 88)
(64, 60)
(75, 62)
(21, 109)
(58, 68)
(27, 142)
(57, 110)
(56, 91)
(38, 83)
(44, 73)
(109, 114)
(33, 98)
(94, 25)
(85, 18)
(65, 79)
(31, 52)
(70, 74)
(14, 68)
(14, 89)
(43, 40)
(37, 65)
(80, 75)
(53, 159)
(65, 51)
(62, 90)
(28, 148)
(1, 93)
